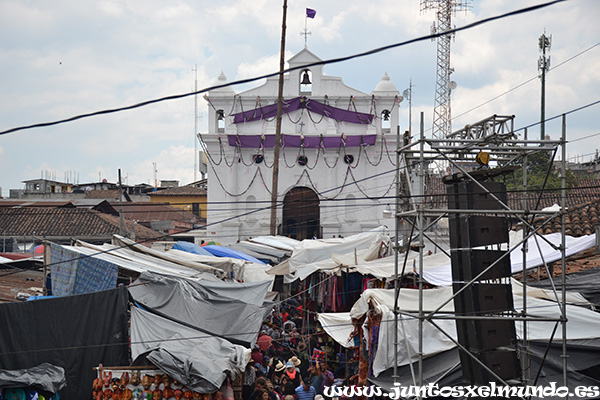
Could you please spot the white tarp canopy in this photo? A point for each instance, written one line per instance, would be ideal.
(176, 263)
(263, 249)
(226, 264)
(310, 251)
(241, 270)
(536, 255)
(329, 254)
(138, 248)
(254, 272)
(583, 323)
(138, 262)
(277, 242)
(437, 268)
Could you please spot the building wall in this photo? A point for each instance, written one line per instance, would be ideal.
(187, 203)
(239, 190)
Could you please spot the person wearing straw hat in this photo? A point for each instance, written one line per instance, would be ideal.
(279, 367)
(276, 377)
(296, 361)
(276, 372)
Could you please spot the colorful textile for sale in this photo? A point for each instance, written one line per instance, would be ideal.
(74, 273)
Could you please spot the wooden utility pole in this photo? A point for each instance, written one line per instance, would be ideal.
(274, 189)
(120, 205)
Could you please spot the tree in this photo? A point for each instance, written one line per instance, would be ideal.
(538, 165)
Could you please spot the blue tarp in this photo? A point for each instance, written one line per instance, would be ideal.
(191, 248)
(222, 251)
(31, 298)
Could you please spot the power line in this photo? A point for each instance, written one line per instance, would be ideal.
(559, 115)
(406, 316)
(526, 82)
(323, 62)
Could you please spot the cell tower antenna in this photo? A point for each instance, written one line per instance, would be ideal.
(442, 121)
(545, 41)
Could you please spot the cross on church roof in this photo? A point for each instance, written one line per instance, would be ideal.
(310, 13)
(305, 33)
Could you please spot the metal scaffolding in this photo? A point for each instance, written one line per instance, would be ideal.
(496, 136)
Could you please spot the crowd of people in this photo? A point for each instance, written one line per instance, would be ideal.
(286, 365)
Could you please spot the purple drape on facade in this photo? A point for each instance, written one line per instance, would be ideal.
(302, 102)
(310, 142)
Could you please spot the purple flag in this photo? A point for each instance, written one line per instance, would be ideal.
(310, 13)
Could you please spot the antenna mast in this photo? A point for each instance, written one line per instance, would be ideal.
(155, 171)
(544, 66)
(442, 121)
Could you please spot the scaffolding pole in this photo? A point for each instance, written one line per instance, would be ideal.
(456, 151)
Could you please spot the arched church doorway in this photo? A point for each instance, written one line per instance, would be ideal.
(301, 214)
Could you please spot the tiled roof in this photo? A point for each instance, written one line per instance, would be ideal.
(582, 262)
(78, 223)
(180, 191)
(584, 191)
(96, 204)
(580, 220)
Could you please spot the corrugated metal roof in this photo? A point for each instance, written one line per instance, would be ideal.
(180, 191)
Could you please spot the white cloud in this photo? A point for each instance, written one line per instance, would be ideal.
(71, 57)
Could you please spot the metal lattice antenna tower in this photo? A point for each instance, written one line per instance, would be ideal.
(544, 66)
(442, 121)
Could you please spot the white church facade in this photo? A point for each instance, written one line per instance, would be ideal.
(337, 157)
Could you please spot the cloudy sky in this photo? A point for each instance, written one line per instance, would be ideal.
(63, 58)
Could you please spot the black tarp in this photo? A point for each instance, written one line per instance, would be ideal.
(74, 332)
(586, 282)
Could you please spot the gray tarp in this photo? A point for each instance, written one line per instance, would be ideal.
(251, 293)
(228, 309)
(45, 376)
(196, 332)
(199, 361)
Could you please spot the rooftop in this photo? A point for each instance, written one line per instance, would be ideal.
(78, 223)
(180, 191)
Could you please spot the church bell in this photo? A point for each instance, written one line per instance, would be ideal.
(305, 78)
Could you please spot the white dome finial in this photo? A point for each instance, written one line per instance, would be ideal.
(386, 86)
